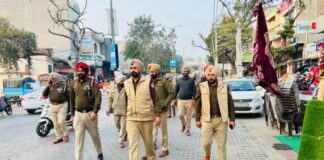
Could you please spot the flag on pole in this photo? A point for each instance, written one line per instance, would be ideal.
(262, 60)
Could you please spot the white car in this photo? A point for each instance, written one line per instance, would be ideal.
(245, 96)
(34, 100)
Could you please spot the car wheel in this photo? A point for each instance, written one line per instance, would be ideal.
(8, 110)
(42, 130)
(31, 111)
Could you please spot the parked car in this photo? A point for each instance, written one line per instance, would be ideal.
(34, 100)
(245, 96)
(261, 91)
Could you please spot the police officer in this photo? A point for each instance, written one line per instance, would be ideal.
(117, 103)
(215, 110)
(164, 91)
(58, 93)
(85, 104)
(142, 109)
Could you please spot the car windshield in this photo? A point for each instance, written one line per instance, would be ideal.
(241, 86)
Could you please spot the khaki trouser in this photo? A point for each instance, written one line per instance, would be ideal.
(59, 119)
(164, 130)
(185, 113)
(209, 129)
(172, 110)
(120, 122)
(134, 130)
(81, 123)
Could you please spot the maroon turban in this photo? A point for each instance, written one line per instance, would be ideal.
(82, 65)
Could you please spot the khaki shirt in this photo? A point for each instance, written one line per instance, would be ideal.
(85, 96)
(117, 100)
(164, 90)
(58, 93)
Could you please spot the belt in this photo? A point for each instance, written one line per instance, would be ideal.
(215, 116)
(55, 103)
(84, 110)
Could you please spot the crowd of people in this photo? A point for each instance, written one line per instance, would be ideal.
(140, 107)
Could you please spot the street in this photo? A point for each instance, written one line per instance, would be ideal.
(251, 139)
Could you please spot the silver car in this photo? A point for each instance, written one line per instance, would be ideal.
(245, 96)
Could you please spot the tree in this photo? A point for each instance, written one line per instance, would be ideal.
(14, 44)
(150, 42)
(238, 15)
(73, 25)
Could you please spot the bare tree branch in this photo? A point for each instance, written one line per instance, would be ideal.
(227, 8)
(199, 46)
(62, 35)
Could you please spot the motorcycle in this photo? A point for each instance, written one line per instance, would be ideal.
(5, 106)
(45, 124)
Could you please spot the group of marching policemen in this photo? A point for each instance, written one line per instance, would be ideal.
(140, 106)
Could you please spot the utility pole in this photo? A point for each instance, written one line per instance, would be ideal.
(238, 61)
(112, 24)
(215, 54)
(307, 26)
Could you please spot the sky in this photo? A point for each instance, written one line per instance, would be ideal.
(193, 16)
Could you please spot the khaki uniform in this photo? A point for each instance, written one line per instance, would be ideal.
(59, 96)
(164, 91)
(142, 108)
(118, 102)
(86, 99)
(218, 123)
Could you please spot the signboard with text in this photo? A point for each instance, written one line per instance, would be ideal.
(87, 46)
(173, 62)
(113, 49)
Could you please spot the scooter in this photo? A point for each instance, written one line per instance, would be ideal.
(45, 124)
(5, 106)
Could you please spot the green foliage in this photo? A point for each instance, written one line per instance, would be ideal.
(288, 29)
(14, 43)
(151, 43)
(312, 139)
(226, 31)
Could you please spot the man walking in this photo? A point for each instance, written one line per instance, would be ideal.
(186, 89)
(85, 104)
(142, 109)
(117, 102)
(164, 91)
(214, 107)
(58, 93)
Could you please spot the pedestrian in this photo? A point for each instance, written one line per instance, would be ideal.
(85, 104)
(142, 109)
(186, 89)
(169, 78)
(58, 92)
(214, 107)
(164, 91)
(117, 104)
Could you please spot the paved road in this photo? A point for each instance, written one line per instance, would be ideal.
(251, 140)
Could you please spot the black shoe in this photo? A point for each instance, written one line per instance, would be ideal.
(100, 156)
(183, 128)
(144, 158)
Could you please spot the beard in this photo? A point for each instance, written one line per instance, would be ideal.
(82, 76)
(211, 81)
(120, 85)
(185, 75)
(135, 74)
(153, 76)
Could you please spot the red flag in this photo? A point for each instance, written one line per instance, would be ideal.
(262, 61)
